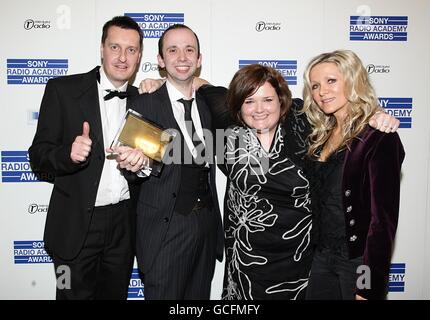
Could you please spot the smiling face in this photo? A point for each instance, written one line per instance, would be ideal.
(262, 110)
(328, 89)
(180, 55)
(121, 54)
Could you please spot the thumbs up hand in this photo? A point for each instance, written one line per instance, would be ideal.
(86, 129)
(81, 147)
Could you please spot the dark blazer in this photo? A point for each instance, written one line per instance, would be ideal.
(66, 104)
(158, 194)
(371, 194)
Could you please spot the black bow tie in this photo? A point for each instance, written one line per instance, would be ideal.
(114, 93)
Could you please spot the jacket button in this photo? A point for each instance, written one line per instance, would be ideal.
(351, 222)
(347, 193)
(166, 219)
(174, 194)
(349, 209)
(352, 238)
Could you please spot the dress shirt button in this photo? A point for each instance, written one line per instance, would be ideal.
(351, 222)
(349, 209)
(353, 238)
(347, 193)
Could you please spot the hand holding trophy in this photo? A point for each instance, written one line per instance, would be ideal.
(140, 144)
(128, 158)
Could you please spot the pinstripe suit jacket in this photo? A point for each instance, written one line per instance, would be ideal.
(158, 194)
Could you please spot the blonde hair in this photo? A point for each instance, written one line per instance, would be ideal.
(361, 97)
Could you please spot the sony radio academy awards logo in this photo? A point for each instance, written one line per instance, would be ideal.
(378, 28)
(154, 24)
(136, 287)
(35, 71)
(396, 279)
(401, 108)
(30, 252)
(287, 68)
(267, 26)
(15, 167)
(37, 24)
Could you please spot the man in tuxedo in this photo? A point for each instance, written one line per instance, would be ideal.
(179, 228)
(90, 225)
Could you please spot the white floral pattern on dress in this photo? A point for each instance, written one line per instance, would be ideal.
(250, 213)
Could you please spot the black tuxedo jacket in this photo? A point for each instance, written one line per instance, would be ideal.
(66, 104)
(158, 194)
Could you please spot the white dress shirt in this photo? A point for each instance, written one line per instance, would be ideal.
(179, 113)
(113, 187)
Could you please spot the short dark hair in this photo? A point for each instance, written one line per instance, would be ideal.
(172, 27)
(124, 22)
(246, 82)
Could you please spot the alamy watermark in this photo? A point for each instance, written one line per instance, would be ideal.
(232, 146)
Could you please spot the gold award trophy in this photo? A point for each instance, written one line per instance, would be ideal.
(139, 133)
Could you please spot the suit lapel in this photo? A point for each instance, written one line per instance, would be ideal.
(132, 91)
(88, 98)
(165, 112)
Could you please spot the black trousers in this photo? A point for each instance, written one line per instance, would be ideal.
(333, 275)
(184, 267)
(102, 270)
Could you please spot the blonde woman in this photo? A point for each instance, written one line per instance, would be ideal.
(355, 172)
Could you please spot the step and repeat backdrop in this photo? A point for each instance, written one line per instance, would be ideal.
(53, 38)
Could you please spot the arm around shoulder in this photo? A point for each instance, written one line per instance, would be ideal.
(216, 98)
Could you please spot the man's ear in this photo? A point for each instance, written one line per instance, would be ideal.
(161, 61)
(101, 51)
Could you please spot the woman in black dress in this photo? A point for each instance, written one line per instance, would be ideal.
(267, 216)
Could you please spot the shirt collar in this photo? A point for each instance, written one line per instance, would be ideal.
(175, 94)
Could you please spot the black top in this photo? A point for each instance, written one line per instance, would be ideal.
(329, 221)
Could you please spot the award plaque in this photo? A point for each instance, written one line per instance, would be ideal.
(139, 133)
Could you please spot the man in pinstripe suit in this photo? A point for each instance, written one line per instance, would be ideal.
(179, 228)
